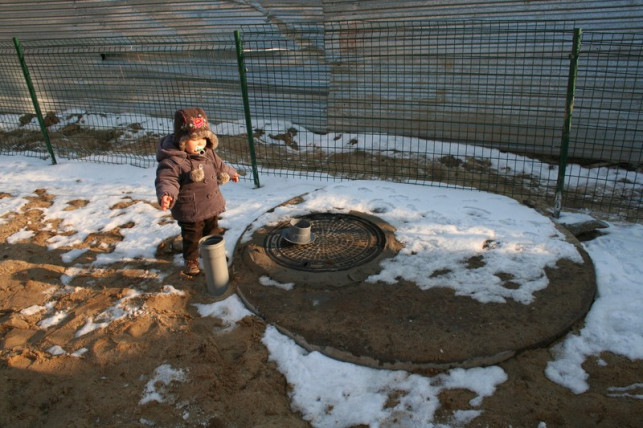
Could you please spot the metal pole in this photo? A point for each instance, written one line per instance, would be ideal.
(246, 106)
(34, 99)
(569, 109)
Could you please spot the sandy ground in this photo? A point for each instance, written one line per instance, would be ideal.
(232, 382)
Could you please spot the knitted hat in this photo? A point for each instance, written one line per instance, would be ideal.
(192, 123)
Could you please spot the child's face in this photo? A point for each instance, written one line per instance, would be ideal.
(195, 146)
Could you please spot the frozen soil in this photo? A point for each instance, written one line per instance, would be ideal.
(231, 383)
(231, 380)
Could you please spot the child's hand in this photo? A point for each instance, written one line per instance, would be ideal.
(166, 201)
(235, 178)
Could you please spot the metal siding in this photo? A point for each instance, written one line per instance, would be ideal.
(37, 19)
(618, 15)
(335, 86)
(453, 91)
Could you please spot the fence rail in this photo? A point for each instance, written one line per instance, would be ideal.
(449, 103)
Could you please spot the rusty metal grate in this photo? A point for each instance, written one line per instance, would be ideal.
(342, 241)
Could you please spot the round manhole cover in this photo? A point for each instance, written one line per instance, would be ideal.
(341, 241)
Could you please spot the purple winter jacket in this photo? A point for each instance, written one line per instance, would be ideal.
(192, 201)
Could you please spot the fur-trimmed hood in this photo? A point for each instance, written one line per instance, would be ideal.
(193, 123)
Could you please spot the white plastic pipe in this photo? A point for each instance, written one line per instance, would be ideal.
(215, 265)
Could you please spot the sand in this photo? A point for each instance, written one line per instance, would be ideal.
(231, 380)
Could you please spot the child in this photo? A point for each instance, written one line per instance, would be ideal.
(187, 180)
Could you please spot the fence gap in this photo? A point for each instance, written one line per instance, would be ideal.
(34, 98)
(246, 106)
(569, 109)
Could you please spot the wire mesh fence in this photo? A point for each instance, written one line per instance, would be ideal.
(16, 108)
(110, 100)
(451, 103)
(608, 131)
(415, 102)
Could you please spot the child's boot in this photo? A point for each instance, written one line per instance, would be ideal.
(191, 267)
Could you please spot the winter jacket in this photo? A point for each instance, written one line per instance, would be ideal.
(192, 200)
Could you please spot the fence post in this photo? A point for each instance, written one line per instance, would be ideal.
(34, 99)
(569, 109)
(246, 106)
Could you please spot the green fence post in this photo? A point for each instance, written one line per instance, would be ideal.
(569, 109)
(34, 99)
(246, 106)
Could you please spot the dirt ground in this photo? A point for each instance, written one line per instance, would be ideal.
(232, 382)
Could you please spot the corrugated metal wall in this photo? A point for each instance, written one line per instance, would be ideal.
(621, 15)
(501, 85)
(39, 19)
(43, 19)
(182, 19)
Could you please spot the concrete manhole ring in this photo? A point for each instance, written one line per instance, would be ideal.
(400, 326)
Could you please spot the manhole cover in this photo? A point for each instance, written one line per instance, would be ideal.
(342, 241)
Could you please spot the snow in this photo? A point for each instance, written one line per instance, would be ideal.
(230, 313)
(59, 350)
(54, 319)
(23, 235)
(623, 391)
(31, 310)
(334, 393)
(452, 225)
(269, 282)
(615, 323)
(163, 376)
(442, 229)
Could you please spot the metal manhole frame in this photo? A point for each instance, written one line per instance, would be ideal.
(362, 241)
(253, 255)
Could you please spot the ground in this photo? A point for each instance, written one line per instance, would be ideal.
(233, 383)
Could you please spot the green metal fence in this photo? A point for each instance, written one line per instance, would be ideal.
(451, 103)
(109, 100)
(607, 129)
